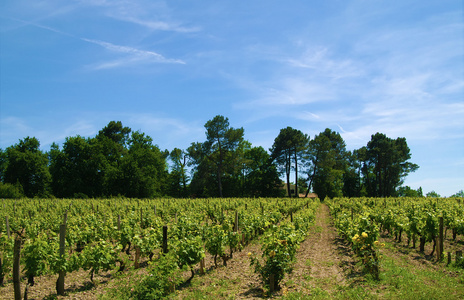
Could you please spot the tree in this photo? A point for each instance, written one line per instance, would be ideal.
(261, 175)
(352, 175)
(387, 159)
(78, 168)
(28, 166)
(289, 144)
(326, 157)
(144, 168)
(3, 162)
(433, 194)
(459, 194)
(178, 174)
(216, 154)
(407, 191)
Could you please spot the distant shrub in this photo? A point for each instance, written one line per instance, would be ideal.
(80, 196)
(8, 190)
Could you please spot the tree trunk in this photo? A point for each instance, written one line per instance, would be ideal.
(296, 176)
(219, 180)
(289, 193)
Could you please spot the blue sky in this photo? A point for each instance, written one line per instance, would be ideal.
(68, 67)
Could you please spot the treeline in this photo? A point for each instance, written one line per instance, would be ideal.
(119, 161)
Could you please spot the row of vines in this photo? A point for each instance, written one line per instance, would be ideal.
(174, 235)
(360, 221)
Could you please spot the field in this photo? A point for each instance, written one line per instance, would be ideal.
(361, 248)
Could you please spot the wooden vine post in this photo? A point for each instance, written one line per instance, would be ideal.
(165, 239)
(458, 256)
(440, 240)
(202, 266)
(62, 273)
(271, 283)
(17, 267)
(7, 227)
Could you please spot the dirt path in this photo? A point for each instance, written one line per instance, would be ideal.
(320, 259)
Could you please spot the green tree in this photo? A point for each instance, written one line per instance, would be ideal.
(216, 154)
(178, 175)
(3, 162)
(407, 191)
(261, 175)
(352, 175)
(326, 158)
(143, 168)
(77, 169)
(459, 194)
(433, 194)
(387, 159)
(289, 145)
(28, 166)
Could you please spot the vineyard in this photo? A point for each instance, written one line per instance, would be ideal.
(233, 248)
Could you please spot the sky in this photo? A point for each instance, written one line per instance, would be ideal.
(69, 67)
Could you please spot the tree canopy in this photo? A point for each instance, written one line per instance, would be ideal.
(120, 161)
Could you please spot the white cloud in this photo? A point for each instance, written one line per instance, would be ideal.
(160, 25)
(134, 56)
(154, 15)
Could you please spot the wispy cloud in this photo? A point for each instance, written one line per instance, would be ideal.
(159, 25)
(154, 15)
(134, 56)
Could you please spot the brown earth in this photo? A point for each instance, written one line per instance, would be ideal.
(321, 260)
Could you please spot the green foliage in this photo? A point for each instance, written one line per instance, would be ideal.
(366, 245)
(433, 194)
(289, 145)
(217, 158)
(406, 191)
(386, 164)
(326, 155)
(27, 165)
(215, 241)
(189, 251)
(6, 251)
(459, 194)
(36, 254)
(112, 163)
(11, 191)
(100, 256)
(279, 248)
(164, 275)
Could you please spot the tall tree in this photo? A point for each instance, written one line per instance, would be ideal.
(3, 162)
(28, 166)
(77, 169)
(352, 175)
(216, 153)
(289, 144)
(388, 159)
(261, 175)
(179, 175)
(326, 157)
(144, 168)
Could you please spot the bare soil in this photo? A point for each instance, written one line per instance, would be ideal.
(322, 259)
